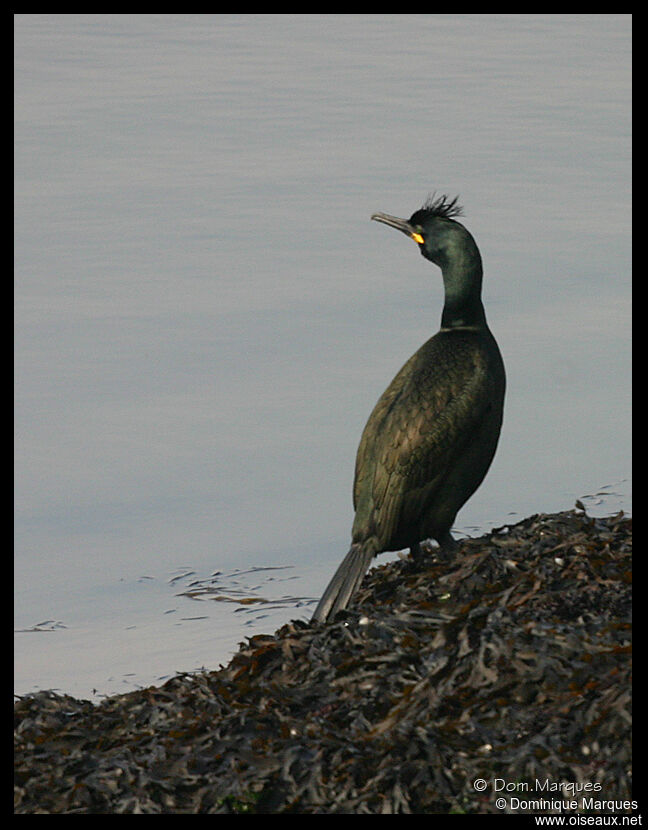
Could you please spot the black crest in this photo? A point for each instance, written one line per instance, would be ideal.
(437, 206)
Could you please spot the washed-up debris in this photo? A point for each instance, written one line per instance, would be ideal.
(221, 587)
(45, 625)
(513, 662)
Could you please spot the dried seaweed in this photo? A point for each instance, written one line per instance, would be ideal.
(512, 662)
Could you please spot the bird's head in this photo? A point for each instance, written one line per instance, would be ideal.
(434, 229)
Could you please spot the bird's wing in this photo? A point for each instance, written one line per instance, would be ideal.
(421, 422)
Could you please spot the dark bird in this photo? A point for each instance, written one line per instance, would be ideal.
(432, 435)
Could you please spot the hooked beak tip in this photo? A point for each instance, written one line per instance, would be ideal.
(400, 224)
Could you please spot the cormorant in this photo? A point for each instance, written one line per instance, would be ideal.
(432, 435)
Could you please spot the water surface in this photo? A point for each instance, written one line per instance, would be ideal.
(205, 315)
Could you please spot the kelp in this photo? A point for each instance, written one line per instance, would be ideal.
(513, 663)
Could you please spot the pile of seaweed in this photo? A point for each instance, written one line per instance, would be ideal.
(513, 662)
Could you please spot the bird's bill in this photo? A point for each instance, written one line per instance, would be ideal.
(400, 224)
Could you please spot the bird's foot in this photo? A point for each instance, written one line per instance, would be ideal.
(417, 554)
(445, 552)
(447, 548)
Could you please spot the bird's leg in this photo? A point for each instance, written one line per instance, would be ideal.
(416, 553)
(445, 552)
(447, 546)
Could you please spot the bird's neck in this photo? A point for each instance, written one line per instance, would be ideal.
(462, 279)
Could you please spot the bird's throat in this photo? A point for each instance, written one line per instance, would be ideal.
(463, 306)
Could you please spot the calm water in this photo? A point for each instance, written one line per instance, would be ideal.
(205, 315)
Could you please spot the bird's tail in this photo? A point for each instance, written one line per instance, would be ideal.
(346, 581)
